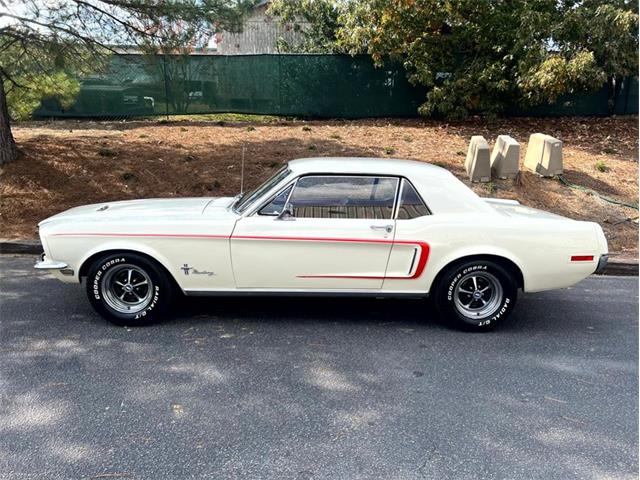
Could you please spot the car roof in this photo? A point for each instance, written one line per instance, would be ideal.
(440, 189)
(366, 165)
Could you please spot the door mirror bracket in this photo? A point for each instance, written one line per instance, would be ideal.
(287, 213)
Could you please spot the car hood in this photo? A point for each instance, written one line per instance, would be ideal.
(147, 209)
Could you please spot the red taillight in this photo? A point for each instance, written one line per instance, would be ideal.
(582, 258)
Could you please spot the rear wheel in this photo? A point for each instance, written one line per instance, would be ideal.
(128, 289)
(476, 295)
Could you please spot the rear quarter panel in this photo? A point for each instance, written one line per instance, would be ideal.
(540, 248)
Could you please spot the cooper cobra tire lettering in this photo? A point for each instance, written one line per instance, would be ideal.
(96, 285)
(452, 286)
(103, 268)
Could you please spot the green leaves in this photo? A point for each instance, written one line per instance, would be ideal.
(22, 101)
(556, 75)
(484, 57)
(315, 21)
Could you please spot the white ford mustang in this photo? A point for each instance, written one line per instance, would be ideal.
(323, 226)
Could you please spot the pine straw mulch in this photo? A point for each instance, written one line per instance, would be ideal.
(74, 162)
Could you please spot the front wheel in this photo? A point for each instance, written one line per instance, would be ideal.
(128, 289)
(476, 295)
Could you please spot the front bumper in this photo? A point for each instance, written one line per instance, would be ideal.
(602, 263)
(45, 264)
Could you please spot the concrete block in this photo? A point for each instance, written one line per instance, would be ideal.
(505, 158)
(477, 163)
(544, 155)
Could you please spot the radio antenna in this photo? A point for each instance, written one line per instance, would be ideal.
(242, 170)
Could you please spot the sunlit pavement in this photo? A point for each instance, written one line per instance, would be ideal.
(317, 388)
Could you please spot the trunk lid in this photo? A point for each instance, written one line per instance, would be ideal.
(513, 208)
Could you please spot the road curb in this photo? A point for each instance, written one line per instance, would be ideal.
(34, 247)
(623, 268)
(21, 246)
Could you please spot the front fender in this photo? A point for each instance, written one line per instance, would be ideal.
(206, 257)
(121, 245)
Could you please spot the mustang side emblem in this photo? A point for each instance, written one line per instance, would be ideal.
(192, 270)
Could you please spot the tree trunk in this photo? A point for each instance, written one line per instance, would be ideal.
(8, 150)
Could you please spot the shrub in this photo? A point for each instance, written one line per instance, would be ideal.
(601, 166)
(107, 152)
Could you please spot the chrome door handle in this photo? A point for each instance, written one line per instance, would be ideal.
(386, 228)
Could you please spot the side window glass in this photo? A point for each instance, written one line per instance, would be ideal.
(410, 205)
(344, 197)
(275, 206)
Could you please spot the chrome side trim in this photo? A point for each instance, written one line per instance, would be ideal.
(413, 261)
(303, 293)
(396, 201)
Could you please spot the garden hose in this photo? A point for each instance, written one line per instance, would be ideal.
(564, 181)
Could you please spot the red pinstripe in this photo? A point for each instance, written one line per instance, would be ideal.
(168, 235)
(422, 260)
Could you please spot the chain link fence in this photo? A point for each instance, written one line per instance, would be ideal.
(321, 86)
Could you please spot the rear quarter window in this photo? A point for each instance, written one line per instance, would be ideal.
(410, 204)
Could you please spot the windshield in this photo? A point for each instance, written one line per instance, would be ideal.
(246, 200)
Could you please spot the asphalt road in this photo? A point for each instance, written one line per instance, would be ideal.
(305, 388)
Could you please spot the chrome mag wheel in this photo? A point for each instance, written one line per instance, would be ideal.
(127, 289)
(477, 295)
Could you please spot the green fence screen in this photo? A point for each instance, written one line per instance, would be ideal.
(329, 86)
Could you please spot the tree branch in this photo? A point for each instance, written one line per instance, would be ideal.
(52, 26)
(113, 17)
(4, 73)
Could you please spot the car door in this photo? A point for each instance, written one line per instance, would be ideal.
(411, 248)
(338, 236)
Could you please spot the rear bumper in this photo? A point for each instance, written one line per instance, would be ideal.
(602, 263)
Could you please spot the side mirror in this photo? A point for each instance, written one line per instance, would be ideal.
(287, 213)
